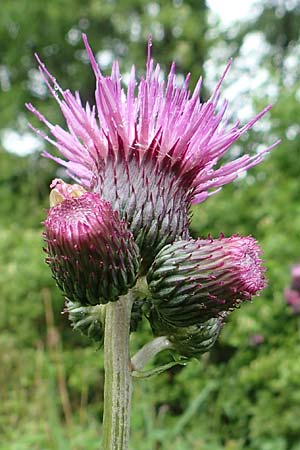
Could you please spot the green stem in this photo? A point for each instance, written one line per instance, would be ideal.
(149, 350)
(118, 381)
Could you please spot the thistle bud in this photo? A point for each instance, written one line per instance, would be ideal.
(193, 341)
(91, 252)
(87, 319)
(136, 314)
(192, 281)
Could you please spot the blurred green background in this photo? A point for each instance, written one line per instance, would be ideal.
(245, 394)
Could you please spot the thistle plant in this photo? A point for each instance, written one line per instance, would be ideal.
(118, 241)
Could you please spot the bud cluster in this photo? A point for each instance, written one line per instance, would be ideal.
(141, 159)
(191, 284)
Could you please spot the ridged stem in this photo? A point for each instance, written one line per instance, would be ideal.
(118, 380)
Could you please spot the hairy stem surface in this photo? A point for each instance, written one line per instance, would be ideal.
(149, 350)
(118, 381)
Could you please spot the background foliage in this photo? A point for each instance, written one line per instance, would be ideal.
(246, 393)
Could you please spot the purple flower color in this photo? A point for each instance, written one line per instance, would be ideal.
(292, 293)
(195, 280)
(295, 271)
(149, 115)
(292, 297)
(91, 253)
(256, 339)
(150, 150)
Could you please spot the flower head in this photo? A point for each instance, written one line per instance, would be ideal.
(292, 297)
(91, 253)
(256, 339)
(292, 293)
(195, 280)
(150, 150)
(295, 272)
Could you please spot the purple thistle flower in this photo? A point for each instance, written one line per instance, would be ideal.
(256, 339)
(195, 280)
(292, 293)
(295, 271)
(150, 150)
(292, 298)
(92, 254)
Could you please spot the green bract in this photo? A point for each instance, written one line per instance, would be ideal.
(192, 281)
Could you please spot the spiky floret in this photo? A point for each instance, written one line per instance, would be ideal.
(91, 252)
(151, 150)
(60, 191)
(192, 281)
